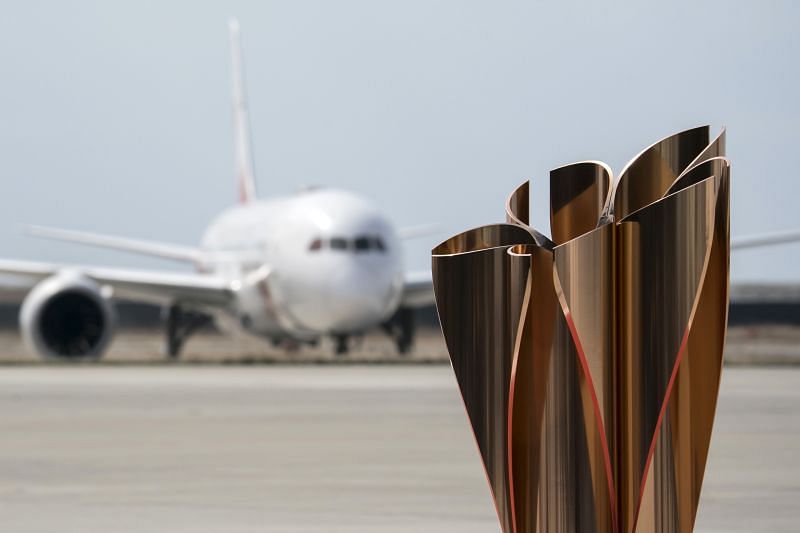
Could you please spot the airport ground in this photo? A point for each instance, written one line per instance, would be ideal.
(232, 441)
(313, 448)
(753, 344)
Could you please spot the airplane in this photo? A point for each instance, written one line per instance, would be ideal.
(322, 262)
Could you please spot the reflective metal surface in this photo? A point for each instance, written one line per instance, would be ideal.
(481, 289)
(584, 283)
(578, 194)
(663, 251)
(589, 364)
(648, 176)
(518, 212)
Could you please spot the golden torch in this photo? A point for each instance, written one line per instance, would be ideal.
(589, 362)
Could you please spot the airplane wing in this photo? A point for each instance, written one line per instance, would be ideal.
(174, 252)
(142, 285)
(768, 239)
(421, 230)
(418, 289)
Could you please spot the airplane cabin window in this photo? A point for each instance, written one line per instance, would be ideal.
(378, 243)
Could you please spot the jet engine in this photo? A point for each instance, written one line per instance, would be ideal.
(67, 316)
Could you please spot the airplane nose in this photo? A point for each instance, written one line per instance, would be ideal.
(357, 297)
(342, 294)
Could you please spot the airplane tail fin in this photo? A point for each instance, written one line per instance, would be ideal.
(241, 126)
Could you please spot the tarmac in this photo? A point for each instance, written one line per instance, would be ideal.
(318, 448)
(748, 345)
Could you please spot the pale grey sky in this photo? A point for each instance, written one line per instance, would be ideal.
(115, 116)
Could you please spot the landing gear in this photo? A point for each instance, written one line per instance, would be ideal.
(342, 345)
(180, 324)
(401, 328)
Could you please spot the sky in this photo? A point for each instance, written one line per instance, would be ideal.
(115, 116)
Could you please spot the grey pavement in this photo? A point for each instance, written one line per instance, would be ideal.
(318, 448)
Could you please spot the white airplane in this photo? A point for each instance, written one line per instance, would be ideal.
(294, 269)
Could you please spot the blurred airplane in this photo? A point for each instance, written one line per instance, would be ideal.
(292, 269)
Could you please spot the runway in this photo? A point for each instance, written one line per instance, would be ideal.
(318, 448)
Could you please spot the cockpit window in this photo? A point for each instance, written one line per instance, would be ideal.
(338, 243)
(362, 244)
(358, 244)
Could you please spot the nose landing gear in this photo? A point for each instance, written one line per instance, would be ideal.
(400, 327)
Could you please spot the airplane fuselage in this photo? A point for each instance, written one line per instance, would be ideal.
(319, 262)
